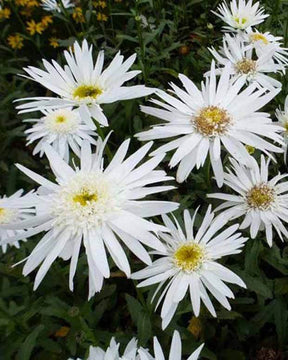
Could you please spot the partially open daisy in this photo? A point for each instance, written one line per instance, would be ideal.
(83, 84)
(10, 213)
(175, 350)
(203, 120)
(240, 15)
(245, 65)
(54, 5)
(259, 41)
(63, 129)
(95, 206)
(262, 202)
(189, 264)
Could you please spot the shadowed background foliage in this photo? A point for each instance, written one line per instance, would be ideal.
(53, 323)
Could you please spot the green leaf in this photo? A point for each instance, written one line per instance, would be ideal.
(27, 347)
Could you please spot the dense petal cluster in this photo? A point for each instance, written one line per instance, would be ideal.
(221, 113)
(94, 206)
(262, 202)
(240, 15)
(133, 352)
(189, 264)
(83, 84)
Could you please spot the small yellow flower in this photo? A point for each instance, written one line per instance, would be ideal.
(101, 4)
(78, 15)
(34, 28)
(62, 332)
(102, 17)
(250, 149)
(53, 42)
(27, 12)
(5, 13)
(15, 41)
(46, 20)
(195, 327)
(27, 3)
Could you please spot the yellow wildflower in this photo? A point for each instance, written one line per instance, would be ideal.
(15, 41)
(27, 3)
(101, 4)
(27, 12)
(78, 15)
(53, 42)
(46, 20)
(5, 13)
(195, 327)
(102, 17)
(34, 28)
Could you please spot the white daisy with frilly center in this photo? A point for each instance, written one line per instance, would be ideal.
(262, 202)
(200, 121)
(11, 212)
(63, 129)
(240, 15)
(98, 207)
(84, 84)
(254, 69)
(189, 264)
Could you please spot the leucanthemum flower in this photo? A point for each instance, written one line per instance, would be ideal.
(243, 64)
(132, 352)
(240, 15)
(262, 202)
(83, 84)
(54, 5)
(260, 41)
(175, 350)
(189, 264)
(203, 120)
(95, 206)
(10, 213)
(63, 129)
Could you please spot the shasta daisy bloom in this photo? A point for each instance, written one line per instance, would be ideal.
(94, 205)
(54, 5)
(175, 350)
(11, 212)
(240, 15)
(83, 84)
(262, 202)
(203, 120)
(63, 129)
(243, 65)
(189, 264)
(260, 41)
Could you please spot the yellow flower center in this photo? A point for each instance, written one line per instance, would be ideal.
(60, 119)
(87, 91)
(285, 125)
(189, 257)
(250, 149)
(85, 197)
(260, 197)
(245, 66)
(212, 121)
(259, 37)
(7, 215)
(240, 21)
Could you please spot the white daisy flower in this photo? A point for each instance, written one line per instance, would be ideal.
(95, 205)
(282, 116)
(262, 202)
(11, 212)
(63, 129)
(83, 84)
(243, 65)
(239, 15)
(189, 264)
(54, 5)
(260, 41)
(175, 350)
(202, 120)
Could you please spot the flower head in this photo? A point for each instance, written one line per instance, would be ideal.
(85, 85)
(94, 206)
(203, 120)
(15, 41)
(34, 28)
(240, 15)
(54, 5)
(11, 212)
(189, 264)
(5, 13)
(262, 202)
(282, 116)
(63, 129)
(245, 65)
